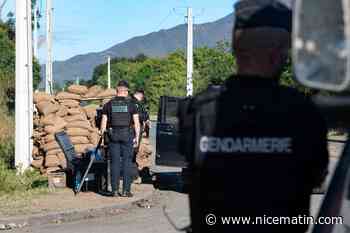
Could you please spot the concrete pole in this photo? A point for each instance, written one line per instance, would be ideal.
(24, 88)
(189, 52)
(35, 34)
(109, 72)
(49, 78)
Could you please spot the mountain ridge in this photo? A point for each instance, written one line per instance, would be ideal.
(154, 44)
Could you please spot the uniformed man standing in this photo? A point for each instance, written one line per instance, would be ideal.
(139, 97)
(259, 148)
(118, 116)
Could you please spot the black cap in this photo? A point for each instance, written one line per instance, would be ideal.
(123, 83)
(262, 13)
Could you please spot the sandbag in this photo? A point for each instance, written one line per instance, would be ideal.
(51, 161)
(67, 96)
(75, 111)
(49, 138)
(93, 92)
(80, 124)
(80, 117)
(94, 138)
(54, 120)
(54, 152)
(70, 103)
(62, 112)
(77, 132)
(51, 146)
(40, 106)
(35, 151)
(49, 108)
(38, 163)
(41, 96)
(50, 129)
(79, 140)
(62, 160)
(90, 112)
(107, 93)
(78, 89)
(82, 148)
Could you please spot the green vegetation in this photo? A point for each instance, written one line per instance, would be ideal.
(167, 76)
(10, 182)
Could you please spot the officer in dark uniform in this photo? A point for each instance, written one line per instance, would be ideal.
(139, 98)
(118, 116)
(259, 148)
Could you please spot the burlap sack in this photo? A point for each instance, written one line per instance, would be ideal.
(94, 137)
(49, 138)
(50, 129)
(52, 169)
(78, 89)
(67, 96)
(54, 152)
(51, 146)
(41, 96)
(62, 112)
(90, 112)
(107, 93)
(48, 108)
(54, 120)
(77, 132)
(41, 105)
(75, 111)
(79, 140)
(93, 92)
(35, 151)
(80, 117)
(62, 160)
(70, 103)
(38, 163)
(82, 148)
(80, 124)
(51, 161)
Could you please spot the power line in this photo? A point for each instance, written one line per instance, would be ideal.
(164, 20)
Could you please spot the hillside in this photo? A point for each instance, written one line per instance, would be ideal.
(155, 44)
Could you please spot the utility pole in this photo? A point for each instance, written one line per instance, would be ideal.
(77, 80)
(109, 72)
(49, 78)
(36, 12)
(189, 52)
(24, 85)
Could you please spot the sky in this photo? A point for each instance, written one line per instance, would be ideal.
(83, 26)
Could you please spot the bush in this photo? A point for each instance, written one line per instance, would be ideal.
(11, 182)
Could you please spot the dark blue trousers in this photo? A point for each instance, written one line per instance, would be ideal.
(121, 153)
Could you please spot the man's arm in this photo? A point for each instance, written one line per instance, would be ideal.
(103, 124)
(137, 128)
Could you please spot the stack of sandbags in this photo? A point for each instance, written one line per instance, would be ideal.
(64, 113)
(93, 92)
(78, 89)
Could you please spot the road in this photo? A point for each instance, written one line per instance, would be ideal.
(141, 218)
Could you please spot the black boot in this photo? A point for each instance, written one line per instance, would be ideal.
(127, 194)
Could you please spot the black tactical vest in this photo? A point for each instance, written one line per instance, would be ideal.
(121, 116)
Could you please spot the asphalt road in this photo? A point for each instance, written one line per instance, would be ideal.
(140, 218)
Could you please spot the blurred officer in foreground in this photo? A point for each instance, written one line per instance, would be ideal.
(259, 148)
(118, 116)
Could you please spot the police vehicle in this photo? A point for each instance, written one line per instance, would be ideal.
(167, 133)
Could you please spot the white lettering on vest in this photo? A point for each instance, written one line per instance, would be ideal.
(246, 145)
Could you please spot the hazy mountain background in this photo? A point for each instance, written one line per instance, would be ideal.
(155, 44)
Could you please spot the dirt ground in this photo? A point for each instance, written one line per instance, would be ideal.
(63, 200)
